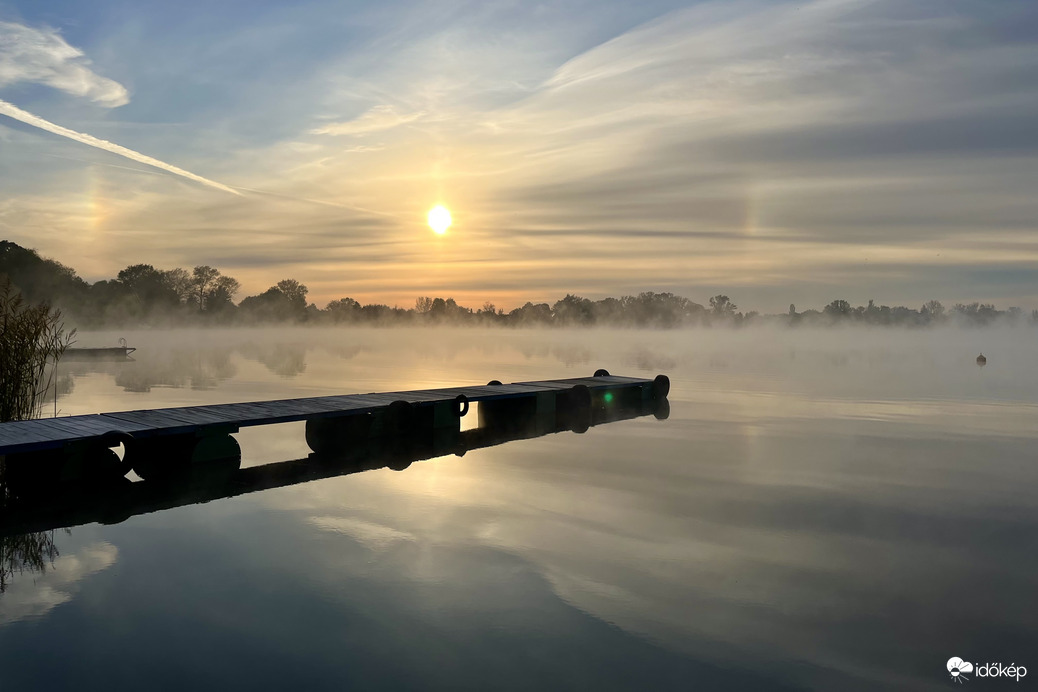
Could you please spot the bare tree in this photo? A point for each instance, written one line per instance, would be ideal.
(934, 309)
(203, 278)
(179, 282)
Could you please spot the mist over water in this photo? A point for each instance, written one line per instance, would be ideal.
(824, 509)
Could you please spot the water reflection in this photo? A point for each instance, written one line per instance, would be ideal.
(198, 368)
(419, 617)
(832, 510)
(31, 507)
(32, 551)
(285, 360)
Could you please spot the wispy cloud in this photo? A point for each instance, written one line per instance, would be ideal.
(12, 111)
(42, 56)
(377, 119)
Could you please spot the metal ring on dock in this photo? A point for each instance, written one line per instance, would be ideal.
(461, 405)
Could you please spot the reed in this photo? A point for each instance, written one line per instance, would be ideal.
(32, 337)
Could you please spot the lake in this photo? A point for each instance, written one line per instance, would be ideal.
(836, 509)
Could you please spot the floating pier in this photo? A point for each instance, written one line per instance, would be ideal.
(114, 353)
(162, 443)
(120, 352)
(49, 506)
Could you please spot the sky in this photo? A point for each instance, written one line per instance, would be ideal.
(776, 152)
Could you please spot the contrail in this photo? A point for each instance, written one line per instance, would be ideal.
(323, 203)
(12, 111)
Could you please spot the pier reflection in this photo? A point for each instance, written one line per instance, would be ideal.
(33, 509)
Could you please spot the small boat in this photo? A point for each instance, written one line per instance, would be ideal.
(120, 352)
(981, 360)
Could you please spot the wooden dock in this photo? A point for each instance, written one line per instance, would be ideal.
(58, 505)
(155, 439)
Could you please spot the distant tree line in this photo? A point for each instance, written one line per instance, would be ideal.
(143, 295)
(932, 312)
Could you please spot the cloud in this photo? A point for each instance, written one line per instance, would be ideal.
(377, 119)
(12, 111)
(715, 116)
(33, 595)
(739, 146)
(373, 535)
(42, 56)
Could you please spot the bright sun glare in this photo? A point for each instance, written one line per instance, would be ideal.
(439, 219)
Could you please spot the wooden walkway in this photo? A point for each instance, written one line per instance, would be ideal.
(22, 437)
(52, 506)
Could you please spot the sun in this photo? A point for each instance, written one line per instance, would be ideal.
(439, 219)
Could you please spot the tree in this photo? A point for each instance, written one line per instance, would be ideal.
(294, 291)
(148, 286)
(343, 310)
(203, 278)
(137, 276)
(438, 311)
(977, 313)
(178, 281)
(530, 314)
(281, 303)
(838, 309)
(721, 306)
(573, 310)
(933, 309)
(39, 279)
(221, 296)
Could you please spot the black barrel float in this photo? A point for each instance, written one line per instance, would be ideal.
(573, 409)
(660, 387)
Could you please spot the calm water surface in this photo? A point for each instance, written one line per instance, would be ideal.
(822, 510)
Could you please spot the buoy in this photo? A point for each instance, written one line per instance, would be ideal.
(981, 360)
